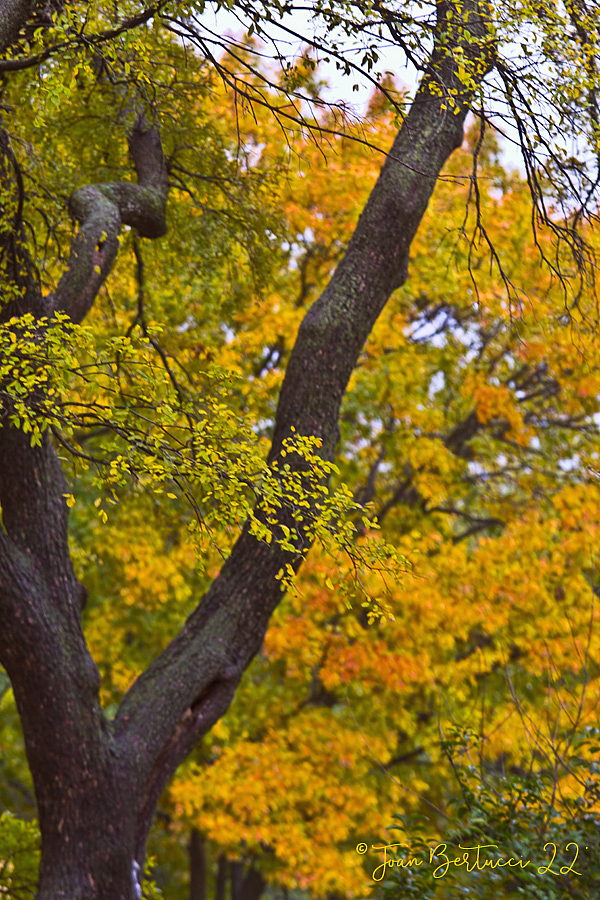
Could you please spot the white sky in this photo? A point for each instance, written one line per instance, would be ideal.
(341, 86)
(354, 89)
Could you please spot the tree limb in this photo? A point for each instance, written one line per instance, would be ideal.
(101, 210)
(27, 62)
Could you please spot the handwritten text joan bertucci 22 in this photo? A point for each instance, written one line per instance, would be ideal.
(474, 858)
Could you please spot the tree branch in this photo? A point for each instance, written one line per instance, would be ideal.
(27, 62)
(101, 210)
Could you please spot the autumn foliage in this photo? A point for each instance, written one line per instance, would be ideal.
(469, 435)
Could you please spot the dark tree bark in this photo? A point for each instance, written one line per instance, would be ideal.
(197, 866)
(253, 885)
(97, 783)
(237, 877)
(13, 16)
(221, 885)
(247, 884)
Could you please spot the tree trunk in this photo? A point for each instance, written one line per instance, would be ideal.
(237, 876)
(97, 782)
(197, 866)
(248, 885)
(253, 885)
(221, 885)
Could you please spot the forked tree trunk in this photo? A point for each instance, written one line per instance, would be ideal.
(97, 782)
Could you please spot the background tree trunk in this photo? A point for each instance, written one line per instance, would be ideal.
(197, 866)
(221, 885)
